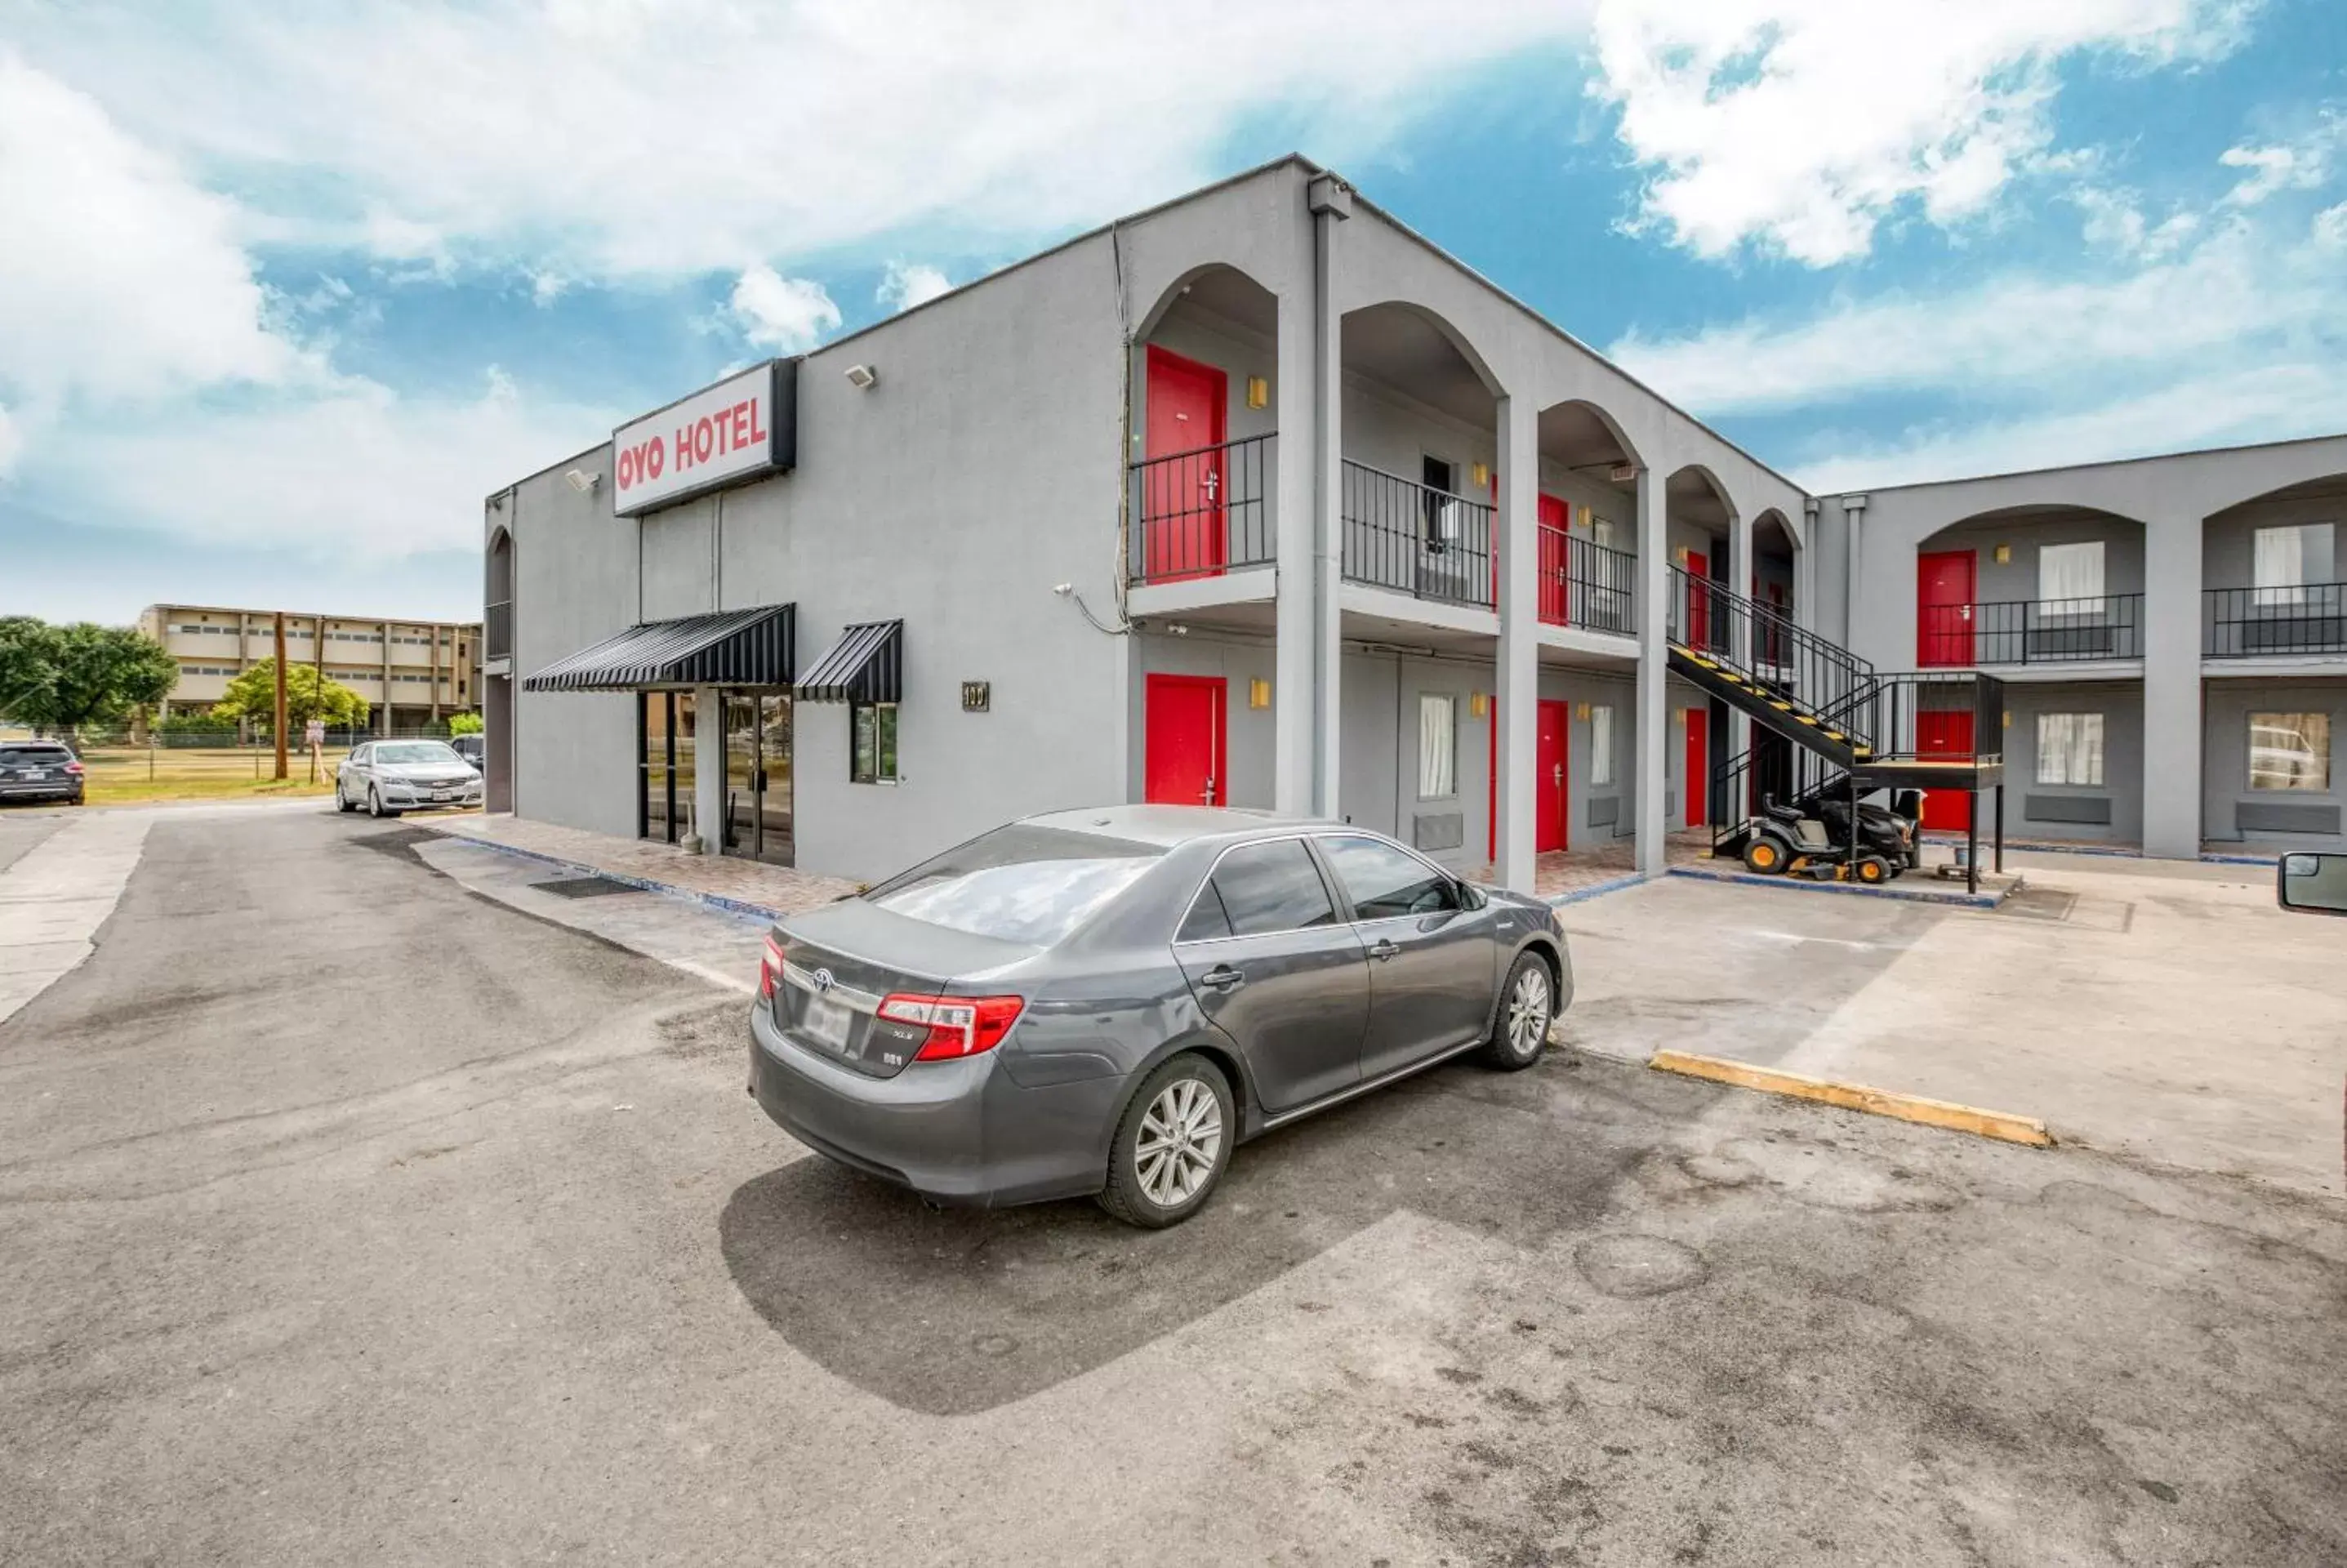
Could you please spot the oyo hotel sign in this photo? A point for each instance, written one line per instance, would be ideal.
(743, 428)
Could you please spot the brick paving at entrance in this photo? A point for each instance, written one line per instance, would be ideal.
(1561, 871)
(748, 884)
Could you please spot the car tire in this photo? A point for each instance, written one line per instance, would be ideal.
(375, 804)
(1521, 1023)
(1187, 1093)
(342, 801)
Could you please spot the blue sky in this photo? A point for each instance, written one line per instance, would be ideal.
(281, 300)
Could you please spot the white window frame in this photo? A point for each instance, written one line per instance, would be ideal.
(2071, 561)
(2070, 749)
(2282, 574)
(2311, 780)
(1600, 744)
(1438, 746)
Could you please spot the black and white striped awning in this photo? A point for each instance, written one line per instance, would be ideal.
(865, 665)
(728, 647)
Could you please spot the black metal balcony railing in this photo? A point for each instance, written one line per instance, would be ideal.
(2254, 623)
(497, 631)
(1202, 513)
(1935, 713)
(2032, 631)
(1419, 540)
(1583, 583)
(1706, 617)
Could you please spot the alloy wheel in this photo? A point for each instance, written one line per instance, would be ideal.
(1180, 1142)
(1527, 1010)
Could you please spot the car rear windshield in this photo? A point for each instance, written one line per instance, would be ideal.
(415, 752)
(1020, 884)
(33, 756)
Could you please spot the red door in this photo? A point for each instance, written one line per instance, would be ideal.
(1550, 757)
(1945, 735)
(1555, 517)
(1943, 608)
(1183, 728)
(1182, 497)
(1698, 601)
(1699, 765)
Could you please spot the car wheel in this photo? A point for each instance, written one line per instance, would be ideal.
(1527, 1007)
(375, 804)
(342, 801)
(1173, 1145)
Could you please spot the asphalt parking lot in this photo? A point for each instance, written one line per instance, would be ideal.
(355, 1214)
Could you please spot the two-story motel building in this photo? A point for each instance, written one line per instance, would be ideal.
(1259, 498)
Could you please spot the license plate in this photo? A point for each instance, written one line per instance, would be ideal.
(37, 774)
(824, 1022)
(442, 795)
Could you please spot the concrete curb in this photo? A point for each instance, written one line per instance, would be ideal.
(1597, 890)
(1884, 890)
(2107, 852)
(2002, 1126)
(716, 901)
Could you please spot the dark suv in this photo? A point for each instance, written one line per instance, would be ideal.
(40, 770)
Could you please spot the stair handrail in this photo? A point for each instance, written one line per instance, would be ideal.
(1840, 686)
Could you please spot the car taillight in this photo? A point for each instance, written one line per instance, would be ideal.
(73, 767)
(770, 970)
(957, 1026)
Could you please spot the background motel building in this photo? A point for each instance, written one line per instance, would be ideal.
(1259, 498)
(412, 673)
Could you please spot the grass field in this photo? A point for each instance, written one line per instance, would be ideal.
(125, 775)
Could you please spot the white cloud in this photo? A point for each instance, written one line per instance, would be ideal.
(118, 277)
(2115, 221)
(11, 443)
(910, 283)
(2277, 167)
(349, 467)
(2330, 231)
(785, 313)
(1802, 126)
(691, 136)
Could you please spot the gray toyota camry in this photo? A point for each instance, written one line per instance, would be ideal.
(1106, 1002)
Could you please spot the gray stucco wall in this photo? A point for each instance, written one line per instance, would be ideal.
(2226, 748)
(2033, 810)
(1997, 582)
(2229, 542)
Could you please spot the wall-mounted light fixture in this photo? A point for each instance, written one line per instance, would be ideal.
(1482, 476)
(1680, 555)
(1258, 391)
(582, 481)
(1582, 712)
(2004, 555)
(863, 377)
(2008, 718)
(1478, 706)
(1259, 692)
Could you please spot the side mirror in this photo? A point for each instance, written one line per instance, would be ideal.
(1471, 897)
(2312, 884)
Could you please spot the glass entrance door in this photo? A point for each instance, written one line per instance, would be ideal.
(758, 775)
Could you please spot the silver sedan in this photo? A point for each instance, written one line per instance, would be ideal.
(388, 777)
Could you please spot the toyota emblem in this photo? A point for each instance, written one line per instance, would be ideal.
(822, 980)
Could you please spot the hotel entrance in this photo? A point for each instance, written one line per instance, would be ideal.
(758, 776)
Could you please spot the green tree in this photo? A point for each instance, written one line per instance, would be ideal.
(64, 677)
(465, 724)
(253, 695)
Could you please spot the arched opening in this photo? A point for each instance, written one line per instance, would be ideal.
(1204, 427)
(1588, 520)
(498, 688)
(2030, 585)
(2273, 573)
(1419, 433)
(1698, 523)
(497, 628)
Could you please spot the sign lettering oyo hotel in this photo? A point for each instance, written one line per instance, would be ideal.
(743, 428)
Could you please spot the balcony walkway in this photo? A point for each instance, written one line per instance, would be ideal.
(741, 886)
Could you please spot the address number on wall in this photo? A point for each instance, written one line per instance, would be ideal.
(977, 696)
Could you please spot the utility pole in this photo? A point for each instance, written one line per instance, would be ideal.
(279, 726)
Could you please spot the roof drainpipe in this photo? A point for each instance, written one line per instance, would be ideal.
(1853, 511)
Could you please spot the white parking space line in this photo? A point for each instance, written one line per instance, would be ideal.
(54, 898)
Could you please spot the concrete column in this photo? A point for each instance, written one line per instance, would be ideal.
(2171, 687)
(1654, 668)
(1516, 708)
(1295, 703)
(1805, 568)
(709, 769)
(1739, 581)
(1330, 202)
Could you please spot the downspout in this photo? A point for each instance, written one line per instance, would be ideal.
(1853, 514)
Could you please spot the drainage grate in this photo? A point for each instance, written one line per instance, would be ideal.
(2040, 904)
(583, 887)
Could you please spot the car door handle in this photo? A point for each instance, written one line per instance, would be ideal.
(1384, 948)
(1224, 977)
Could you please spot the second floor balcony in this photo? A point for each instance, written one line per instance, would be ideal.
(2276, 621)
(2099, 628)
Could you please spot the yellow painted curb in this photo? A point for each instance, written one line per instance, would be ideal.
(1999, 1125)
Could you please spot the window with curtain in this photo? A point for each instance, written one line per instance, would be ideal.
(1437, 746)
(2285, 561)
(1601, 745)
(2290, 750)
(2070, 579)
(2070, 749)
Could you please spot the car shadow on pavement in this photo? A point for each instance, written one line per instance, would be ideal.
(955, 1311)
